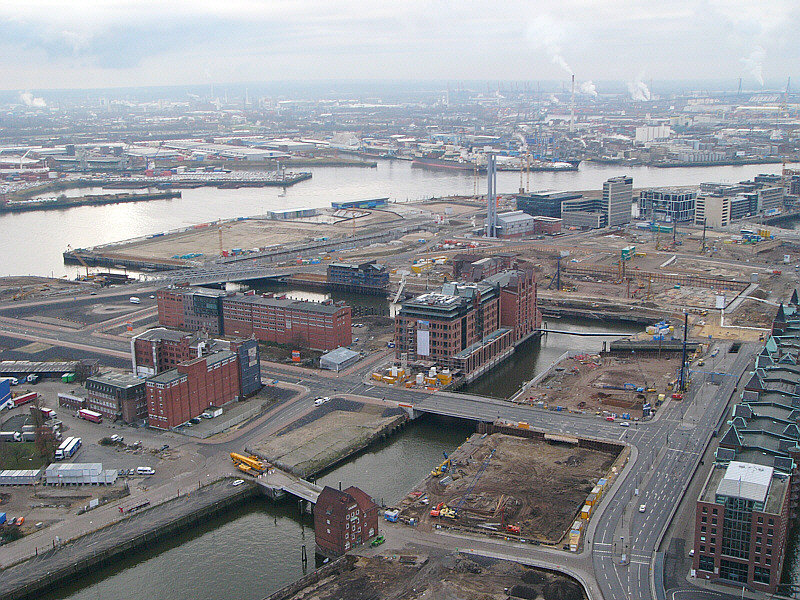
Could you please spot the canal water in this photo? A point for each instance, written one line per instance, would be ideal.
(255, 550)
(24, 250)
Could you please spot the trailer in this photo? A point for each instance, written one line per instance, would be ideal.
(24, 399)
(68, 447)
(90, 415)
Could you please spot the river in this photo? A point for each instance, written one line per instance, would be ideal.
(32, 242)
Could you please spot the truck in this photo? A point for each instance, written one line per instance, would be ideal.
(32, 378)
(68, 378)
(68, 447)
(48, 413)
(24, 399)
(90, 415)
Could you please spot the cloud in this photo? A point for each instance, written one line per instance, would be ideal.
(29, 99)
(754, 64)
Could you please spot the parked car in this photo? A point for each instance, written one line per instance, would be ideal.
(145, 471)
(377, 541)
(642, 507)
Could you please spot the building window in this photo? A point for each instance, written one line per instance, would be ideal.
(703, 528)
(706, 563)
(761, 575)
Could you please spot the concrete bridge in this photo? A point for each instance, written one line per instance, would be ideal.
(277, 483)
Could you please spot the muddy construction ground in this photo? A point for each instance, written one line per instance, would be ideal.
(326, 434)
(593, 383)
(535, 485)
(415, 577)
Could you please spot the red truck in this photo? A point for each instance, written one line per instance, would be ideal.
(90, 415)
(25, 398)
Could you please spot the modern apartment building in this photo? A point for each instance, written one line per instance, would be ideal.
(667, 204)
(468, 327)
(741, 526)
(618, 200)
(363, 278)
(714, 211)
(547, 204)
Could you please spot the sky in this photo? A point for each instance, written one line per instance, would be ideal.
(51, 44)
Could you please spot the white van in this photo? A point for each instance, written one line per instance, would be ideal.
(145, 471)
(135, 300)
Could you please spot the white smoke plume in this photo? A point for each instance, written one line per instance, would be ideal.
(638, 89)
(544, 32)
(589, 88)
(29, 99)
(754, 64)
(555, 56)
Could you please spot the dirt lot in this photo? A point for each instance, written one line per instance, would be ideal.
(31, 288)
(325, 435)
(582, 382)
(249, 234)
(518, 486)
(453, 576)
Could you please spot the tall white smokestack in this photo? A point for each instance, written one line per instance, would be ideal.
(491, 196)
(572, 107)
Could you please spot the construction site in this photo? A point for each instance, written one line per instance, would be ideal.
(415, 576)
(606, 384)
(503, 484)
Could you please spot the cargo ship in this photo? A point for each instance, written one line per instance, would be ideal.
(448, 164)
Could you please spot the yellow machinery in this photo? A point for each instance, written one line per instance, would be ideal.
(251, 462)
(442, 468)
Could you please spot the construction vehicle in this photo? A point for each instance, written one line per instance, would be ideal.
(442, 468)
(251, 462)
(246, 469)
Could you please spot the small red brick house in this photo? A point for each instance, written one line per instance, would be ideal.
(344, 520)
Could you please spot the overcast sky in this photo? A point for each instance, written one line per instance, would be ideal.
(81, 44)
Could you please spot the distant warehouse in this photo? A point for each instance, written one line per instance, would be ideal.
(371, 203)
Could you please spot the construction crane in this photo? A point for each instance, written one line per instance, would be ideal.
(485, 464)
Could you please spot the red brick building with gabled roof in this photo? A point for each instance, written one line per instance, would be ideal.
(344, 520)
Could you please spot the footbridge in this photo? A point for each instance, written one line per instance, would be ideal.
(277, 483)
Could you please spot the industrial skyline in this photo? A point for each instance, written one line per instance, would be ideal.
(115, 43)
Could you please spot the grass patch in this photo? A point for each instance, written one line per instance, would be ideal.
(21, 455)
